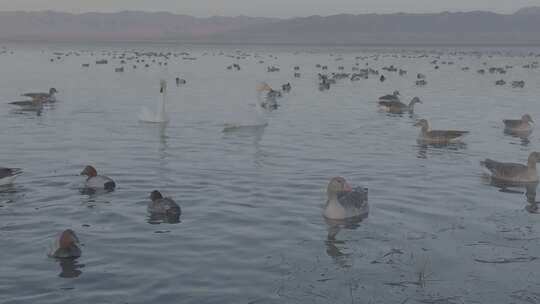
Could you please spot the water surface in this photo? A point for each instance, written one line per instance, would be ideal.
(252, 229)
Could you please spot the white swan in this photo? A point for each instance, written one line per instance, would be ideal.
(160, 116)
(260, 121)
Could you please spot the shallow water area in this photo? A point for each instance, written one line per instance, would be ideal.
(251, 229)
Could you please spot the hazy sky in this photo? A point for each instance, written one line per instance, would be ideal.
(269, 8)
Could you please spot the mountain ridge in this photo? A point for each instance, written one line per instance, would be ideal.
(477, 27)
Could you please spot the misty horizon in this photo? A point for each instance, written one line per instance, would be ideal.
(277, 9)
(261, 16)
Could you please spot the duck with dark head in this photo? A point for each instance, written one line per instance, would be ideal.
(163, 207)
(95, 182)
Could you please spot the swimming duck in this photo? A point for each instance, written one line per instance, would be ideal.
(97, 182)
(163, 205)
(518, 125)
(512, 172)
(66, 246)
(43, 97)
(518, 84)
(286, 87)
(8, 175)
(390, 97)
(437, 136)
(397, 107)
(180, 81)
(421, 82)
(269, 102)
(344, 202)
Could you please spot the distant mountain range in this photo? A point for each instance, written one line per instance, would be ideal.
(476, 27)
(124, 26)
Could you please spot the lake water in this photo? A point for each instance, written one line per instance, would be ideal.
(252, 229)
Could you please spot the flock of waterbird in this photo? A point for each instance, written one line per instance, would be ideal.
(343, 201)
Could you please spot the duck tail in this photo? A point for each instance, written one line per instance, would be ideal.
(109, 186)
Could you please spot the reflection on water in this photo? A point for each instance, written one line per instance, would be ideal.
(514, 187)
(249, 134)
(336, 254)
(522, 135)
(425, 149)
(532, 208)
(28, 111)
(332, 243)
(163, 146)
(70, 268)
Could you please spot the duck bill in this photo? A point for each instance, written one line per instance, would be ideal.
(347, 187)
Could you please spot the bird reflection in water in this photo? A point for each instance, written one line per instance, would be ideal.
(37, 110)
(163, 145)
(424, 148)
(516, 188)
(333, 244)
(522, 135)
(70, 268)
(239, 134)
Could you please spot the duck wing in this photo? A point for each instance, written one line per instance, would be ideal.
(165, 206)
(355, 199)
(449, 134)
(171, 207)
(499, 169)
(389, 97)
(101, 182)
(395, 104)
(36, 95)
(512, 123)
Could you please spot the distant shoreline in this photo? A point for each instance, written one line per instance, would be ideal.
(308, 44)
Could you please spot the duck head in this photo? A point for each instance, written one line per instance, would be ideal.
(52, 91)
(527, 118)
(396, 93)
(155, 195)
(89, 171)
(336, 185)
(68, 240)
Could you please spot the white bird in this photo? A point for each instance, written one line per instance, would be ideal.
(160, 116)
(260, 120)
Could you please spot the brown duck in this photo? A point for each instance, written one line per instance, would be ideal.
(512, 172)
(438, 136)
